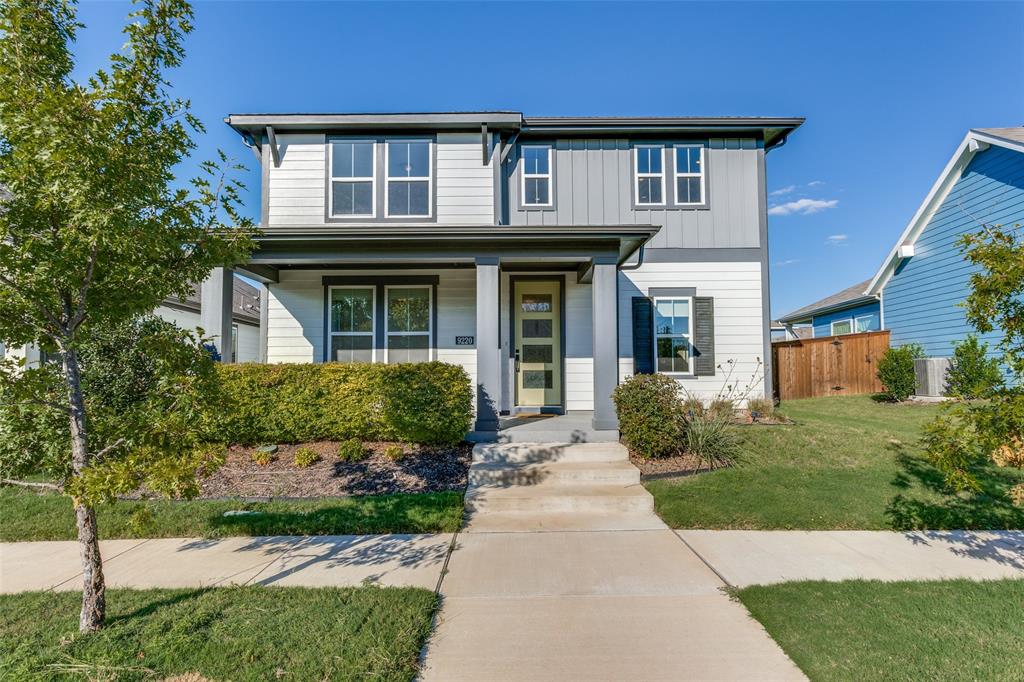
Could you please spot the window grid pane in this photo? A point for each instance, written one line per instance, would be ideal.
(408, 310)
(351, 311)
(672, 334)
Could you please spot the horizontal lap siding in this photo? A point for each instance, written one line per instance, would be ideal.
(922, 300)
(579, 342)
(594, 186)
(736, 288)
(297, 192)
(823, 323)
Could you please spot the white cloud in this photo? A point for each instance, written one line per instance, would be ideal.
(815, 183)
(783, 190)
(803, 206)
(788, 261)
(836, 240)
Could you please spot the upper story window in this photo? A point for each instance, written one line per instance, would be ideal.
(408, 167)
(536, 175)
(689, 174)
(672, 334)
(353, 186)
(650, 175)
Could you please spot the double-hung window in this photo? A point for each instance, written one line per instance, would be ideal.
(689, 174)
(536, 175)
(672, 334)
(353, 188)
(352, 323)
(408, 312)
(409, 167)
(650, 175)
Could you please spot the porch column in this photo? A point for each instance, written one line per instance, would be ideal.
(216, 299)
(604, 299)
(488, 346)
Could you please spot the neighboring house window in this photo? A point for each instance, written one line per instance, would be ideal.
(352, 323)
(234, 343)
(650, 175)
(672, 334)
(408, 312)
(353, 188)
(408, 178)
(840, 327)
(536, 177)
(867, 323)
(689, 174)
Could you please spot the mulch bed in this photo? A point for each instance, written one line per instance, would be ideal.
(667, 467)
(421, 470)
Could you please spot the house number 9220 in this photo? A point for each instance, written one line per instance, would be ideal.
(463, 340)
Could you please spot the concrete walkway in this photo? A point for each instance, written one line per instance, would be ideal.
(315, 561)
(744, 558)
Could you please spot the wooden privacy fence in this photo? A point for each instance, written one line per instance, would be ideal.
(833, 365)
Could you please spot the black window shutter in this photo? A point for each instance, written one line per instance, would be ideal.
(643, 335)
(704, 336)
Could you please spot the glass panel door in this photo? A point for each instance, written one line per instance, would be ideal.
(538, 332)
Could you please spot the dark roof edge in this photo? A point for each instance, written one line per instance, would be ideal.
(803, 314)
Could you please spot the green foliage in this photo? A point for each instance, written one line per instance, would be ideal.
(146, 383)
(972, 374)
(712, 438)
(305, 457)
(351, 450)
(896, 371)
(422, 403)
(262, 457)
(650, 414)
(394, 452)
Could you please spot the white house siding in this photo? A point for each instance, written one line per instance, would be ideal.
(579, 346)
(736, 288)
(296, 314)
(186, 319)
(298, 185)
(248, 334)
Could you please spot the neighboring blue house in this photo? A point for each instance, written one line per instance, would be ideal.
(849, 311)
(925, 278)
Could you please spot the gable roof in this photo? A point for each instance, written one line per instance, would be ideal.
(847, 298)
(245, 304)
(976, 140)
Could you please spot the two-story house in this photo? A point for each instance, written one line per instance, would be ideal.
(550, 257)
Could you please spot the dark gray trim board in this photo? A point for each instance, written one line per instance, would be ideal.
(665, 292)
(512, 280)
(766, 318)
(720, 255)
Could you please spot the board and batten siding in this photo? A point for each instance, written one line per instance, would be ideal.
(739, 335)
(921, 303)
(296, 314)
(594, 186)
(297, 187)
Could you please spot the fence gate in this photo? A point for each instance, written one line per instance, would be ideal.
(833, 365)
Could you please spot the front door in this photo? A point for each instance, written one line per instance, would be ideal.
(538, 350)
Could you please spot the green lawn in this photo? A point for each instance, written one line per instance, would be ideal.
(232, 633)
(847, 463)
(27, 515)
(866, 630)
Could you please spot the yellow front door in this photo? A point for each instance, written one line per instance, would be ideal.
(538, 331)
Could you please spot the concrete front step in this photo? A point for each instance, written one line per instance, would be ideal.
(525, 453)
(547, 522)
(505, 474)
(553, 497)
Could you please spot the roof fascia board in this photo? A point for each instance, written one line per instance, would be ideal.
(936, 195)
(996, 140)
(814, 312)
(313, 121)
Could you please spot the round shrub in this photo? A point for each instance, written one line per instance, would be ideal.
(351, 450)
(896, 371)
(305, 457)
(394, 452)
(650, 414)
(262, 457)
(972, 374)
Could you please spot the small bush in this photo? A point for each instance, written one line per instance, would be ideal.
(896, 371)
(351, 450)
(694, 407)
(761, 408)
(972, 374)
(650, 414)
(394, 452)
(712, 438)
(721, 407)
(305, 457)
(430, 402)
(262, 457)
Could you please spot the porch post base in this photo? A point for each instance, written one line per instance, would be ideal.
(605, 424)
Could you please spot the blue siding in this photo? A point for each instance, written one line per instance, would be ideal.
(922, 299)
(823, 323)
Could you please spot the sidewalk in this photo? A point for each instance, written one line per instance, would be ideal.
(744, 558)
(314, 561)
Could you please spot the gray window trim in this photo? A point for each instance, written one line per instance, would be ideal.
(705, 184)
(379, 283)
(521, 177)
(380, 180)
(669, 161)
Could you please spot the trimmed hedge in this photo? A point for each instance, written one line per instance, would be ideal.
(427, 402)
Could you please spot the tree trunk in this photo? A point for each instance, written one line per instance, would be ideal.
(94, 603)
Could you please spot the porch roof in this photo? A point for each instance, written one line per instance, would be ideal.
(340, 245)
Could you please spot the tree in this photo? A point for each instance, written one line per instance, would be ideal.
(972, 435)
(94, 228)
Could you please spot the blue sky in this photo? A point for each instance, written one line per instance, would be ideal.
(888, 89)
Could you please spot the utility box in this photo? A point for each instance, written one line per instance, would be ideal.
(930, 374)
